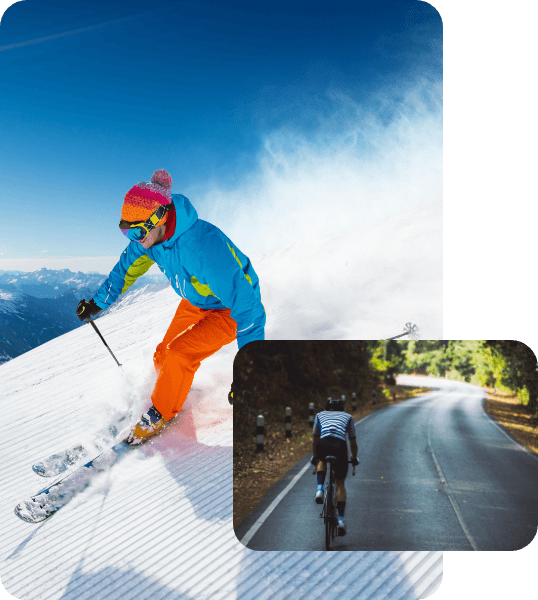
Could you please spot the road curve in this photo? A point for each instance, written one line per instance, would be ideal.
(436, 473)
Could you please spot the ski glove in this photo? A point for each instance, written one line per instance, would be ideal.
(87, 309)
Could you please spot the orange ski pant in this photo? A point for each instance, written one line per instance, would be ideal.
(194, 334)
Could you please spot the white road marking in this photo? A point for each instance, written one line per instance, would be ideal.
(252, 531)
(448, 491)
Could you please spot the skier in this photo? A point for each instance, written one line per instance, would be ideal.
(219, 288)
(329, 439)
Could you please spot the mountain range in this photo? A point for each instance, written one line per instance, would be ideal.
(358, 284)
(38, 306)
(48, 283)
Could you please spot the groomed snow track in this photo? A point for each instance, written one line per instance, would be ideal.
(158, 525)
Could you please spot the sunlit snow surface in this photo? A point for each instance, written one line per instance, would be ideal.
(158, 524)
(361, 284)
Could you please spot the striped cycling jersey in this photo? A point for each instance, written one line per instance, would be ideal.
(335, 423)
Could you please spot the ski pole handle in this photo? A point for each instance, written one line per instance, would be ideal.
(90, 321)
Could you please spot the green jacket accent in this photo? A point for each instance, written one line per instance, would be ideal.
(203, 290)
(137, 269)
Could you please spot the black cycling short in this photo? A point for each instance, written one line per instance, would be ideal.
(333, 446)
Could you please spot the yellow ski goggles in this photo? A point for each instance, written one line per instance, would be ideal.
(138, 230)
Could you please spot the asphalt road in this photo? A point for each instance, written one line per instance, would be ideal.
(436, 473)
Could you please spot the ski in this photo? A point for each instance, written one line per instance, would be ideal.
(48, 501)
(410, 330)
(58, 463)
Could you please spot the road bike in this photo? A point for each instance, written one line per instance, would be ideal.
(329, 513)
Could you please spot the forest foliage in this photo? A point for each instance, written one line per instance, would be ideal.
(505, 365)
(272, 375)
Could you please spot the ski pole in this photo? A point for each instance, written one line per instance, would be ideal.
(90, 320)
(410, 330)
(397, 336)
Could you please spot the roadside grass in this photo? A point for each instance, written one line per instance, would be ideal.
(506, 408)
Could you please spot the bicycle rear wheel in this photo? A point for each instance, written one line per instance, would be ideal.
(334, 517)
(329, 509)
(329, 505)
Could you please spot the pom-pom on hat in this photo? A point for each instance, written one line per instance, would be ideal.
(143, 199)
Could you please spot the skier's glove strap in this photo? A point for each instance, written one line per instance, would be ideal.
(87, 309)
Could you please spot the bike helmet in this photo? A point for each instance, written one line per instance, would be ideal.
(334, 404)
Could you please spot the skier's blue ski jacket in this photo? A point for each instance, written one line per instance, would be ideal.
(203, 266)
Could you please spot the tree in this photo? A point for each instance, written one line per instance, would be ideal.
(271, 375)
(427, 357)
(461, 355)
(520, 370)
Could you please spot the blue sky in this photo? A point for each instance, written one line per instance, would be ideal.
(279, 120)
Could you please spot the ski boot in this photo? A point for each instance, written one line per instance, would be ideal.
(150, 423)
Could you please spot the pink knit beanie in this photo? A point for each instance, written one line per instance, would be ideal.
(143, 199)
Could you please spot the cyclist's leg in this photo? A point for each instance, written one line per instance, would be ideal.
(321, 472)
(340, 473)
(340, 469)
(341, 494)
(320, 475)
(322, 465)
(341, 505)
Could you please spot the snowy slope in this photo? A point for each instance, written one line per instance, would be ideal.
(37, 307)
(159, 523)
(362, 284)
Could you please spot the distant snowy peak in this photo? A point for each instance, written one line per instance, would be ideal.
(9, 295)
(10, 302)
(48, 283)
(27, 321)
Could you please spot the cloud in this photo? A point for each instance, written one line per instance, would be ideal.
(357, 166)
(340, 164)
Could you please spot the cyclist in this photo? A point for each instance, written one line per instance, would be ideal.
(329, 439)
